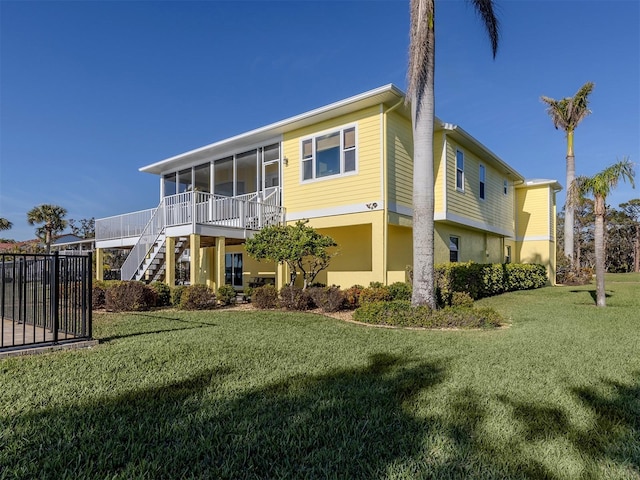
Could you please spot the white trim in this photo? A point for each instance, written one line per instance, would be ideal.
(444, 161)
(340, 131)
(373, 206)
(367, 99)
(382, 149)
(401, 209)
(535, 238)
(452, 217)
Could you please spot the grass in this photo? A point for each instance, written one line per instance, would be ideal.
(230, 394)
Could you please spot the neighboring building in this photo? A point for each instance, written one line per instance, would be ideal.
(347, 168)
(70, 244)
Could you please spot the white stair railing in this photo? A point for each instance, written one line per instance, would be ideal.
(148, 238)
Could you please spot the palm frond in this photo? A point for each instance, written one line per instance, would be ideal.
(487, 11)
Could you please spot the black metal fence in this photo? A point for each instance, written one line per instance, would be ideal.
(44, 298)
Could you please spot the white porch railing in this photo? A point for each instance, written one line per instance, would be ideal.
(123, 226)
(148, 238)
(252, 211)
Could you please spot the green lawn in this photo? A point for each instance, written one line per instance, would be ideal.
(231, 394)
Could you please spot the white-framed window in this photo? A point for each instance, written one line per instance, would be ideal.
(507, 254)
(482, 173)
(454, 249)
(505, 186)
(331, 153)
(459, 170)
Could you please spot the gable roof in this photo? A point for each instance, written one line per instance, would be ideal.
(389, 95)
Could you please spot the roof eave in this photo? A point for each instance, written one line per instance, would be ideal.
(386, 93)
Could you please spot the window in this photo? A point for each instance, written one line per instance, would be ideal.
(233, 269)
(507, 256)
(169, 186)
(459, 170)
(482, 175)
(505, 186)
(329, 154)
(454, 249)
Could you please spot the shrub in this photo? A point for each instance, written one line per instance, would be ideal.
(352, 296)
(265, 297)
(400, 291)
(402, 313)
(130, 297)
(461, 299)
(163, 291)
(176, 294)
(329, 299)
(375, 294)
(227, 295)
(567, 275)
(97, 297)
(376, 284)
(197, 297)
(294, 298)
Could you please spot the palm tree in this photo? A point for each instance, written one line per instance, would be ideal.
(567, 115)
(420, 77)
(600, 185)
(5, 224)
(52, 216)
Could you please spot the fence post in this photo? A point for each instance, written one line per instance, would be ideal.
(55, 286)
(89, 283)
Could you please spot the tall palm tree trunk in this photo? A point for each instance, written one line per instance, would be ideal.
(599, 210)
(569, 211)
(422, 112)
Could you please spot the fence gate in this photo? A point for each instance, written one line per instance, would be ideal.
(44, 299)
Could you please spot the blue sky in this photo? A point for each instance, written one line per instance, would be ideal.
(92, 91)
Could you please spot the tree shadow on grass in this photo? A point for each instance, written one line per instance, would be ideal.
(349, 423)
(613, 436)
(592, 293)
(192, 324)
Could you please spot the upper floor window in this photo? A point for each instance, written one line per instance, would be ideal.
(505, 186)
(459, 170)
(329, 154)
(482, 175)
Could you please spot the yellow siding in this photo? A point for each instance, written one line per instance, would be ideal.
(540, 251)
(399, 253)
(361, 188)
(496, 210)
(399, 160)
(535, 212)
(475, 246)
(400, 163)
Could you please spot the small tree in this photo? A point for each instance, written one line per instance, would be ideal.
(600, 186)
(632, 210)
(83, 228)
(53, 218)
(301, 247)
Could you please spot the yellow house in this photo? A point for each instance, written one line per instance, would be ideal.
(347, 168)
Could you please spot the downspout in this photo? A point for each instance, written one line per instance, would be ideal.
(385, 189)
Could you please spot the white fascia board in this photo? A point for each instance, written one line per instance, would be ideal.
(539, 182)
(378, 95)
(466, 139)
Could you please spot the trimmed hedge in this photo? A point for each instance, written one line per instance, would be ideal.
(485, 280)
(401, 313)
(163, 291)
